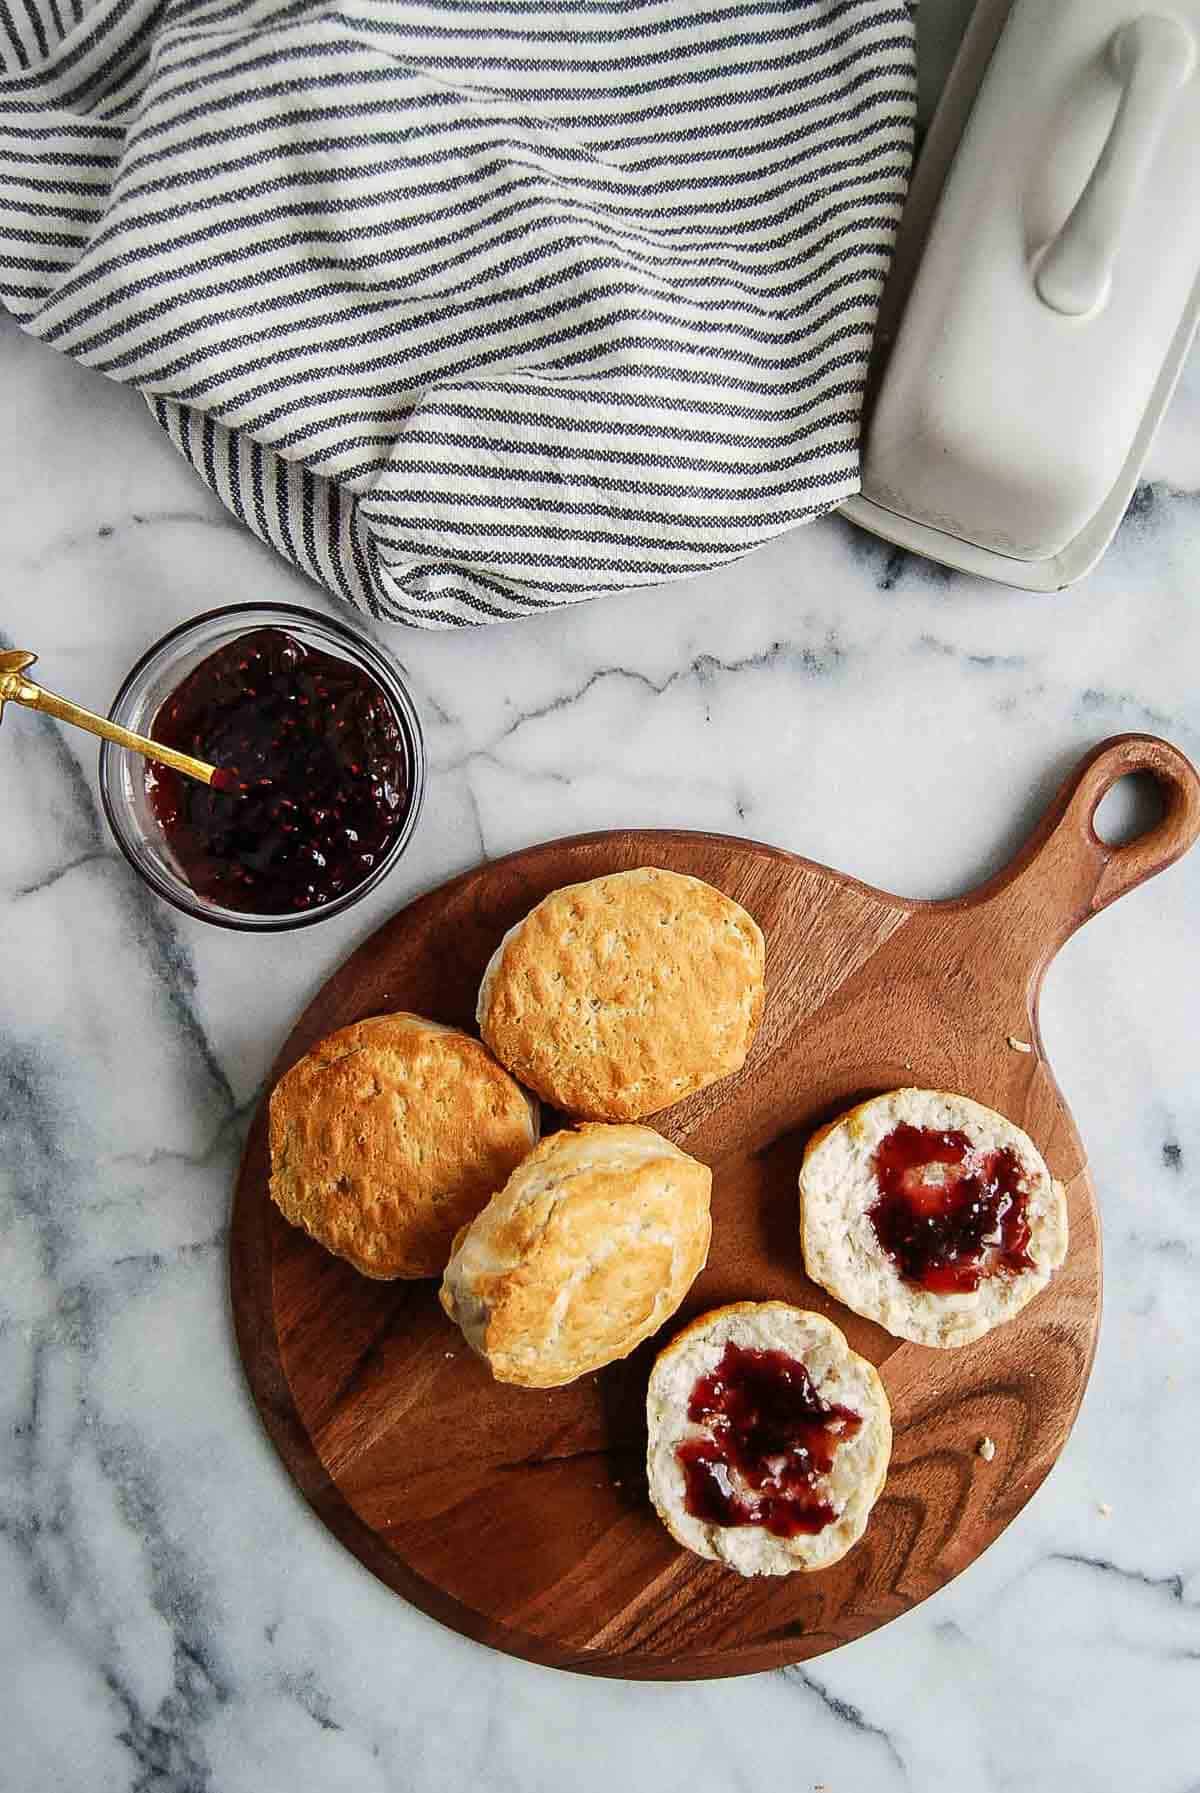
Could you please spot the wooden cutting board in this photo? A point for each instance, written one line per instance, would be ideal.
(520, 1518)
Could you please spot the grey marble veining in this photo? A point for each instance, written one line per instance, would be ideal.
(171, 1615)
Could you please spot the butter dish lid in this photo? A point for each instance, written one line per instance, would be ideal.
(1059, 282)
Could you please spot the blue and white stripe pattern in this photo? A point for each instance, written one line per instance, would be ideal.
(472, 308)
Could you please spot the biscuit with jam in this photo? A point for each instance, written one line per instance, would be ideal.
(769, 1439)
(931, 1214)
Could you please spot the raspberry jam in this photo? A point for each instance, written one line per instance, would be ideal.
(949, 1214)
(314, 782)
(772, 1439)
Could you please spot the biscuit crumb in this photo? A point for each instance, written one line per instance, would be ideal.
(1104, 1510)
(1019, 1045)
(986, 1448)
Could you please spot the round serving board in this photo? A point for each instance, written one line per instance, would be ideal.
(520, 1518)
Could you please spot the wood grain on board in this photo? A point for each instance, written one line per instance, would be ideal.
(519, 1517)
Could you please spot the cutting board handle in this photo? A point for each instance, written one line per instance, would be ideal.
(1066, 873)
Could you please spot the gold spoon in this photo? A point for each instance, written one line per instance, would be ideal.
(15, 688)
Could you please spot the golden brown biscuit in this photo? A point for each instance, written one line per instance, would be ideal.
(592, 1243)
(966, 1149)
(738, 1511)
(389, 1136)
(616, 997)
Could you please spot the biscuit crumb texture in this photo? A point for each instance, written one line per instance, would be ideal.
(842, 1251)
(590, 1246)
(839, 1376)
(389, 1136)
(617, 997)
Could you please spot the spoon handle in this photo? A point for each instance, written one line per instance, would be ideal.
(36, 697)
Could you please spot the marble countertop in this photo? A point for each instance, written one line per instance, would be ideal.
(172, 1616)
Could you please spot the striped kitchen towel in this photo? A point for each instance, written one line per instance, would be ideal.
(472, 308)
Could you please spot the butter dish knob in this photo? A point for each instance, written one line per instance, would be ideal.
(1153, 58)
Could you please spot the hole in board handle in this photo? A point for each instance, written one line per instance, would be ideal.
(1134, 806)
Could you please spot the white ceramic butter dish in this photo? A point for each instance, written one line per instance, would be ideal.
(1045, 291)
